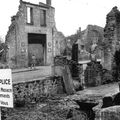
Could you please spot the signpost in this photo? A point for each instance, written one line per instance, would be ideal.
(6, 90)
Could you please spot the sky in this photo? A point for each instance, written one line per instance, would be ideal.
(69, 14)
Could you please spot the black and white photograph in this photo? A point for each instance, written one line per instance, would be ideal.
(60, 60)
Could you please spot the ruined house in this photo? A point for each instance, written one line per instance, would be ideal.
(92, 35)
(31, 32)
(111, 37)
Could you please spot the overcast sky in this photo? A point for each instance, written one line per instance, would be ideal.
(69, 14)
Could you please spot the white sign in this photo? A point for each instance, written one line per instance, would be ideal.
(6, 91)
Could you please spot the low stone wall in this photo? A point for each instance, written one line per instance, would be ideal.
(110, 113)
(108, 108)
(33, 91)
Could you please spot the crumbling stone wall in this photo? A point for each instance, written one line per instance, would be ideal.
(34, 91)
(108, 108)
(111, 37)
(93, 34)
(93, 74)
(60, 43)
(109, 113)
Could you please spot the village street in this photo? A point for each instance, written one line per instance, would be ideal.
(59, 76)
(27, 74)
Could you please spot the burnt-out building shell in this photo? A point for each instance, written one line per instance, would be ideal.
(31, 32)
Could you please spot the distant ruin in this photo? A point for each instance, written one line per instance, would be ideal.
(92, 35)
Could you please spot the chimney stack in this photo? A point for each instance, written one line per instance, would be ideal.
(48, 2)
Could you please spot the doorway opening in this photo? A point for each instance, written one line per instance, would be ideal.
(37, 47)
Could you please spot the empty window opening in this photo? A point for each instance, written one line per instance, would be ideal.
(29, 15)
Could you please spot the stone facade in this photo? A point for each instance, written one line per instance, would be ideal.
(29, 29)
(111, 37)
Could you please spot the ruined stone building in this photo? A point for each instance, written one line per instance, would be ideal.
(91, 37)
(32, 31)
(111, 37)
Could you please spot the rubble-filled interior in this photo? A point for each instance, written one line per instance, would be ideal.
(37, 47)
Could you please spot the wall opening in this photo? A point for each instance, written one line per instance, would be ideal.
(86, 107)
(29, 15)
(116, 67)
(37, 47)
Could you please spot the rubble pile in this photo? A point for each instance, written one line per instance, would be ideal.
(109, 108)
(86, 105)
(33, 91)
(110, 113)
(53, 108)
